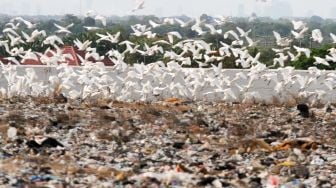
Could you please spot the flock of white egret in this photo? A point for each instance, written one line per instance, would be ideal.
(158, 80)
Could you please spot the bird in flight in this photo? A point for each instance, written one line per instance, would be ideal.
(139, 5)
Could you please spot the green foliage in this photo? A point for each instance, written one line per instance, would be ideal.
(88, 21)
(70, 18)
(266, 54)
(304, 63)
(262, 28)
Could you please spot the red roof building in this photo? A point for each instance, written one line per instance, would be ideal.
(71, 50)
(74, 61)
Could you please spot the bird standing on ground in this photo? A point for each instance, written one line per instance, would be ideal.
(303, 109)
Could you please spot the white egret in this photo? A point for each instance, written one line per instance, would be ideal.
(281, 41)
(53, 40)
(173, 34)
(63, 30)
(242, 32)
(29, 24)
(13, 26)
(306, 51)
(300, 34)
(15, 40)
(139, 5)
(317, 36)
(213, 30)
(102, 19)
(88, 28)
(153, 24)
(10, 31)
(82, 46)
(298, 25)
(321, 61)
(333, 37)
(182, 23)
(232, 33)
(34, 35)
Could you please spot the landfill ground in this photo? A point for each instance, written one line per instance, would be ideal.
(174, 143)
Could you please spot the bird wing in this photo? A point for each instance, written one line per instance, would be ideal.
(102, 19)
(296, 34)
(249, 40)
(241, 31)
(176, 34)
(277, 36)
(180, 21)
(333, 36)
(101, 35)
(211, 27)
(153, 24)
(234, 34)
(58, 26)
(69, 26)
(25, 35)
(303, 30)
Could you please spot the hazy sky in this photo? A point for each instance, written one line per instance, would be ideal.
(274, 8)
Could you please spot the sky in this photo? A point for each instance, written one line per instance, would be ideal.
(273, 8)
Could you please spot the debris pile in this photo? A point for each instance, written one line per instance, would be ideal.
(169, 143)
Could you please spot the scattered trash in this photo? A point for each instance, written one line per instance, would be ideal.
(160, 145)
(296, 183)
(60, 98)
(298, 143)
(4, 155)
(174, 101)
(39, 178)
(273, 182)
(251, 145)
(287, 164)
(300, 171)
(11, 133)
(206, 181)
(178, 145)
(182, 168)
(316, 160)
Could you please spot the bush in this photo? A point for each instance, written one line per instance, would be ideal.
(304, 63)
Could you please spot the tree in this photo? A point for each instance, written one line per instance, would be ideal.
(304, 62)
(316, 19)
(70, 18)
(88, 21)
(206, 18)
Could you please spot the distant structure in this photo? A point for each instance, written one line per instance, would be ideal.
(80, 7)
(310, 13)
(241, 10)
(278, 9)
(332, 13)
(38, 9)
(73, 61)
